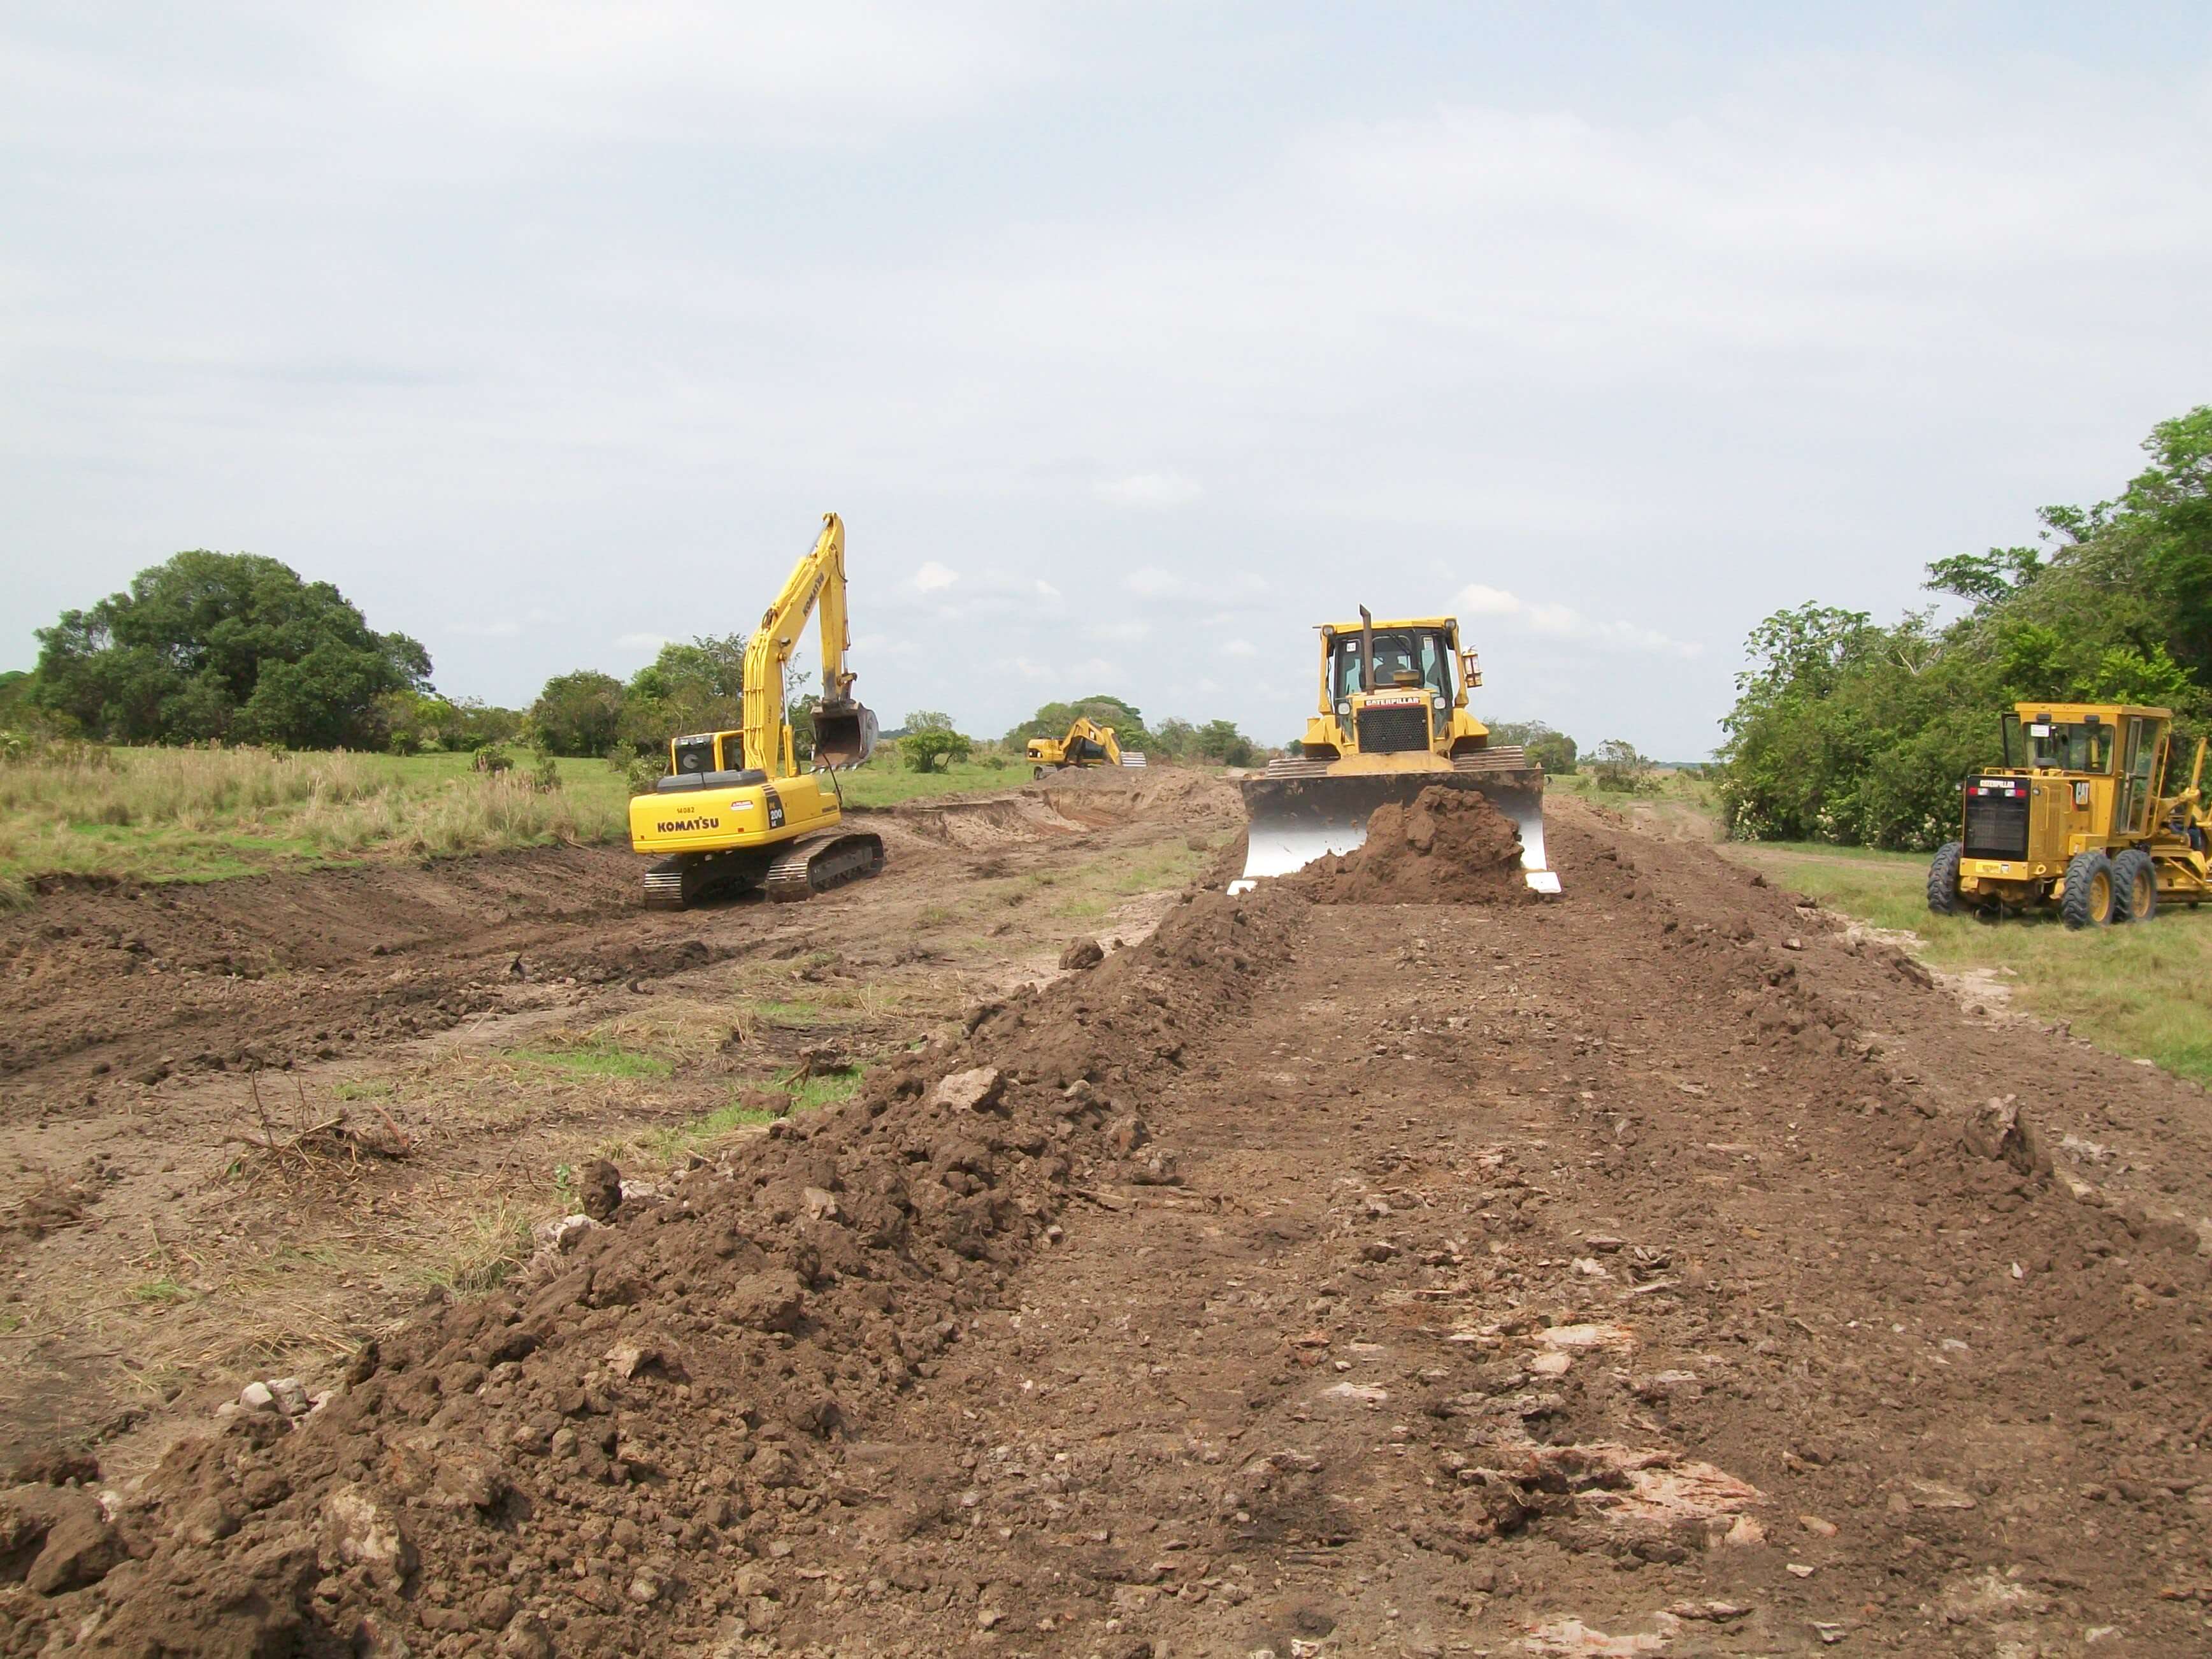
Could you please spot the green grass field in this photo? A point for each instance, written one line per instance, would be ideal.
(2142, 991)
(206, 815)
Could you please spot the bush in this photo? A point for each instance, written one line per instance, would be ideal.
(1620, 769)
(932, 750)
(492, 760)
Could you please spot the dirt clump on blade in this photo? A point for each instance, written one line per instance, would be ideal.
(595, 1458)
(1446, 846)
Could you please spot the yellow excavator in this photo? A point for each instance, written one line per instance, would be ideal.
(735, 813)
(1087, 743)
(1393, 721)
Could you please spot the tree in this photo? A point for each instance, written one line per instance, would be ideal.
(698, 687)
(1221, 744)
(1619, 767)
(580, 713)
(1553, 750)
(927, 720)
(224, 645)
(933, 748)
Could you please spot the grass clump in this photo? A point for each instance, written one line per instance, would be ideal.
(591, 1054)
(490, 1245)
(808, 1091)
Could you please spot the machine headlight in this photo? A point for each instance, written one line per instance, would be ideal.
(1439, 702)
(1344, 711)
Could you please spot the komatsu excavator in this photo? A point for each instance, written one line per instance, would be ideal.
(1393, 721)
(735, 813)
(1087, 743)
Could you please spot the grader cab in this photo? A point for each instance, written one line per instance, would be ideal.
(2088, 815)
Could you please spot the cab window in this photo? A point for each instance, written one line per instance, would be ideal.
(1418, 652)
(2070, 748)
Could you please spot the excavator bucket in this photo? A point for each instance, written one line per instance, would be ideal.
(844, 734)
(1298, 815)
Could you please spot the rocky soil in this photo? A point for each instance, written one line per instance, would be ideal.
(1664, 1269)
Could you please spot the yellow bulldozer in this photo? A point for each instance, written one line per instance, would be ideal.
(2086, 815)
(735, 813)
(1086, 744)
(1392, 720)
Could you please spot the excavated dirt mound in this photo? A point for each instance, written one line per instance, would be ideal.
(1446, 846)
(676, 1378)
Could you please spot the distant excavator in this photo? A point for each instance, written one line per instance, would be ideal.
(1087, 743)
(735, 813)
(1393, 721)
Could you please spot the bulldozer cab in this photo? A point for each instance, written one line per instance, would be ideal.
(1404, 659)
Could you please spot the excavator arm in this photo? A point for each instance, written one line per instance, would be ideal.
(844, 733)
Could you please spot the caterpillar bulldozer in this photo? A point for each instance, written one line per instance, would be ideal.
(735, 813)
(2088, 815)
(1392, 720)
(1087, 743)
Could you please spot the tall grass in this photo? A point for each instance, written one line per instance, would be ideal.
(200, 814)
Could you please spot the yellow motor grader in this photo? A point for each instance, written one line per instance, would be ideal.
(1393, 721)
(2087, 815)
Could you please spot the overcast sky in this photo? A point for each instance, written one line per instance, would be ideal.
(1131, 340)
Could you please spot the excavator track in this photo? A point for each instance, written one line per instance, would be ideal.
(816, 864)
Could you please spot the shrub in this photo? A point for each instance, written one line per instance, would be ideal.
(1619, 768)
(932, 750)
(492, 760)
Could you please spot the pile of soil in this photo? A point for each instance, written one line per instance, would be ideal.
(1447, 846)
(670, 1389)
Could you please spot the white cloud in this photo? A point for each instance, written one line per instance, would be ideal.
(1149, 582)
(1150, 490)
(831, 73)
(652, 642)
(1566, 622)
(935, 577)
(1125, 631)
(505, 628)
(1241, 649)
(1047, 590)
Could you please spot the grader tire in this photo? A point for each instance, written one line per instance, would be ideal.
(2090, 891)
(2135, 886)
(1943, 880)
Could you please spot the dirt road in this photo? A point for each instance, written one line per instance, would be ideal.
(1644, 1272)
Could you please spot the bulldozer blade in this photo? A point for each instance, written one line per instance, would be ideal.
(844, 734)
(1297, 820)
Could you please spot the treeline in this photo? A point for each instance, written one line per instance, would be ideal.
(234, 648)
(1847, 731)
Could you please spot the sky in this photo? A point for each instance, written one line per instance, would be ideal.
(1131, 340)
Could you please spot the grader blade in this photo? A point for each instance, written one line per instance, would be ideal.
(1299, 815)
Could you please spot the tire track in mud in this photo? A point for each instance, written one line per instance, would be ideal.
(1327, 1279)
